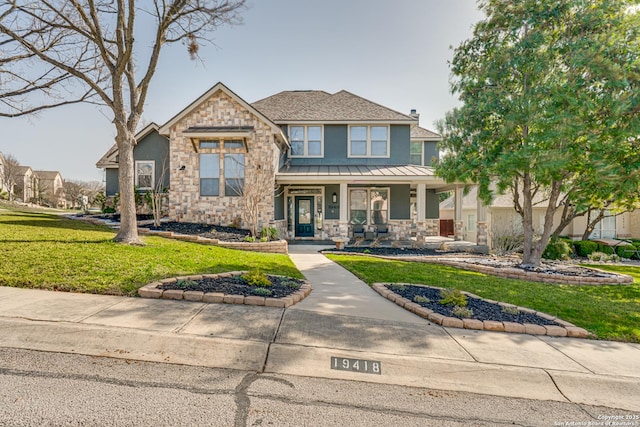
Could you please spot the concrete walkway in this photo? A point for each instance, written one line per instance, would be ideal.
(303, 339)
(337, 291)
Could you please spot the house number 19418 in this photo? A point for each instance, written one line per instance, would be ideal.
(356, 365)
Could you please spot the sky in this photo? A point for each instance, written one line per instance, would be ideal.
(394, 53)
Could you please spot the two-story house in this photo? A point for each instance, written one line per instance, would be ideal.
(325, 162)
(50, 188)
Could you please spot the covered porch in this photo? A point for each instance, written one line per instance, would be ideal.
(401, 203)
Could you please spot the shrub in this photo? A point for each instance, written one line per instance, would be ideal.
(606, 249)
(602, 257)
(108, 210)
(462, 312)
(249, 239)
(626, 251)
(270, 233)
(262, 292)
(511, 310)
(185, 283)
(453, 297)
(557, 249)
(256, 278)
(585, 247)
(291, 283)
(421, 299)
(264, 239)
(507, 239)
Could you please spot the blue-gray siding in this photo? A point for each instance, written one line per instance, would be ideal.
(336, 140)
(152, 147)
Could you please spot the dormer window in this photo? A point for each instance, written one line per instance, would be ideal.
(306, 141)
(368, 141)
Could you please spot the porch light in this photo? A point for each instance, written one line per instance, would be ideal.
(334, 197)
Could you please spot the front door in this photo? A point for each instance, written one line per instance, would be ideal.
(304, 216)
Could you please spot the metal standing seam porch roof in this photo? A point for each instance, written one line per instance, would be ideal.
(349, 173)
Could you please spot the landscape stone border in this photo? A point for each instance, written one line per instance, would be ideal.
(151, 291)
(275, 246)
(510, 272)
(566, 330)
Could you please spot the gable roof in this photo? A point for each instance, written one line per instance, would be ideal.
(164, 130)
(47, 175)
(315, 105)
(421, 134)
(22, 170)
(108, 160)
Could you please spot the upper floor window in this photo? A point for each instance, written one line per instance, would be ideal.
(306, 141)
(416, 153)
(145, 171)
(222, 168)
(368, 141)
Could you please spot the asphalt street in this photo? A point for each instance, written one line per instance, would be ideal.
(45, 388)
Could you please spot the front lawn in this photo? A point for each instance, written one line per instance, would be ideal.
(609, 312)
(39, 250)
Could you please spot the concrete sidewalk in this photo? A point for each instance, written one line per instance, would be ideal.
(302, 341)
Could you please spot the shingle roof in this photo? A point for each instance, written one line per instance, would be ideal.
(314, 105)
(49, 175)
(421, 133)
(23, 169)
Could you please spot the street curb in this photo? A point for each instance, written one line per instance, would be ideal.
(565, 330)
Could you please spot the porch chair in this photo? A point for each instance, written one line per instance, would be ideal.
(382, 231)
(358, 231)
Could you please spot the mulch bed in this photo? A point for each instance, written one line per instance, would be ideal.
(226, 234)
(389, 251)
(482, 310)
(281, 286)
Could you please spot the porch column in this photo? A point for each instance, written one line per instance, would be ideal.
(482, 226)
(458, 222)
(343, 222)
(421, 202)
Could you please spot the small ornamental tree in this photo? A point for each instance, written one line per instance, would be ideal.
(550, 107)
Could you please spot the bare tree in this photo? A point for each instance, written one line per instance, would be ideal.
(60, 52)
(73, 190)
(10, 173)
(157, 195)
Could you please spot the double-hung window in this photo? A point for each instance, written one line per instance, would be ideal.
(416, 153)
(306, 141)
(369, 141)
(145, 171)
(222, 168)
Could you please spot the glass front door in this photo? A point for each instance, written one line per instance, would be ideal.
(304, 217)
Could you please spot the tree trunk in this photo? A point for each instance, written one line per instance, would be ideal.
(534, 256)
(591, 224)
(527, 222)
(128, 224)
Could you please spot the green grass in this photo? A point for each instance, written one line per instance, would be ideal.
(39, 250)
(609, 312)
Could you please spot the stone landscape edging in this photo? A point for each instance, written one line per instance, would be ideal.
(152, 291)
(565, 330)
(274, 246)
(509, 272)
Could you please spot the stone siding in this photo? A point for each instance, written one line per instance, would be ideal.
(185, 202)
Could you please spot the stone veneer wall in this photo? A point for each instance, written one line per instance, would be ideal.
(398, 229)
(185, 202)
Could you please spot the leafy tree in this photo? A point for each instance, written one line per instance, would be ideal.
(61, 52)
(550, 94)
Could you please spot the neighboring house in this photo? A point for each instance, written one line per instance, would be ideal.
(50, 188)
(151, 157)
(502, 217)
(327, 162)
(26, 183)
